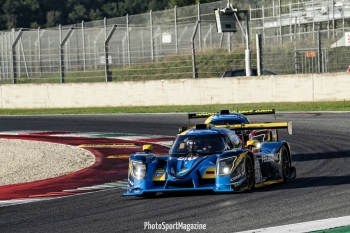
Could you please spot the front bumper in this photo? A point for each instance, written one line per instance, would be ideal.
(139, 192)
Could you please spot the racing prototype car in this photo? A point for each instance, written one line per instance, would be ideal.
(211, 158)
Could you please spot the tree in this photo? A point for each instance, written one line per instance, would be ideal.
(78, 14)
(53, 18)
(110, 10)
(95, 14)
(12, 10)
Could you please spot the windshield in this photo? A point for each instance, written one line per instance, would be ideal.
(230, 122)
(201, 144)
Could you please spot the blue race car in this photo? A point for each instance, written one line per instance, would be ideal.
(212, 158)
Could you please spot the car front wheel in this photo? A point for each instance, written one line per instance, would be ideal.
(286, 163)
(249, 170)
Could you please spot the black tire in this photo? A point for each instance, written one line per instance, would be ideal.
(250, 173)
(285, 162)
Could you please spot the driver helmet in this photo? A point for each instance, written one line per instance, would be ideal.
(192, 144)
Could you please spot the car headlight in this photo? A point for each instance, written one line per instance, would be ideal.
(225, 166)
(138, 170)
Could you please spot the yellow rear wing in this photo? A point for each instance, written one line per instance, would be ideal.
(257, 111)
(244, 112)
(271, 125)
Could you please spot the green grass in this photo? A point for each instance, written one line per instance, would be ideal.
(280, 107)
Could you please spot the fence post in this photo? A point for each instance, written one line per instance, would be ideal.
(14, 62)
(263, 27)
(7, 62)
(259, 54)
(247, 51)
(194, 68)
(108, 74)
(2, 56)
(128, 38)
(83, 37)
(24, 57)
(62, 43)
(280, 20)
(199, 27)
(151, 23)
(296, 64)
(39, 50)
(175, 18)
(319, 48)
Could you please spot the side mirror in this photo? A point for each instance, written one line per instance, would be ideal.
(182, 129)
(147, 148)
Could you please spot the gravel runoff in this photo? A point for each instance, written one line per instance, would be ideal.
(26, 161)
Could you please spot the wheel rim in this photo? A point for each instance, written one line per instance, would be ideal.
(249, 172)
(285, 163)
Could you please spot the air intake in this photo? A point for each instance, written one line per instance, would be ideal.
(224, 111)
(203, 126)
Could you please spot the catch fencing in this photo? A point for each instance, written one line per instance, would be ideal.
(92, 51)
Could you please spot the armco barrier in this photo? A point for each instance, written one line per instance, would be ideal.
(280, 88)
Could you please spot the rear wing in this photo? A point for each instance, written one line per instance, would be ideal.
(269, 125)
(244, 112)
(200, 114)
(257, 112)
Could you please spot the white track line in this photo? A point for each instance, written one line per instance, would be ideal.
(305, 226)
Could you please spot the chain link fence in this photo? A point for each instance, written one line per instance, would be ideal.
(297, 37)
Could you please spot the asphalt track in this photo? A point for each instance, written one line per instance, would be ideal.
(321, 154)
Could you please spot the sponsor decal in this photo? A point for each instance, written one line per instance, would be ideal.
(256, 111)
(204, 131)
(187, 159)
(230, 116)
(158, 174)
(235, 178)
(266, 158)
(204, 114)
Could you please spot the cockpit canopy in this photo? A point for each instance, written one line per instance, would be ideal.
(229, 118)
(203, 144)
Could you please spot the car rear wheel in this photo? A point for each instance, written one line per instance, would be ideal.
(249, 171)
(286, 163)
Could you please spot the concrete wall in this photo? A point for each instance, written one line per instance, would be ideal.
(281, 88)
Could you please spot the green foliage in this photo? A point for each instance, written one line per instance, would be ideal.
(51, 13)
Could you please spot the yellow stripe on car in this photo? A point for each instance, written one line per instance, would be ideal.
(209, 173)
